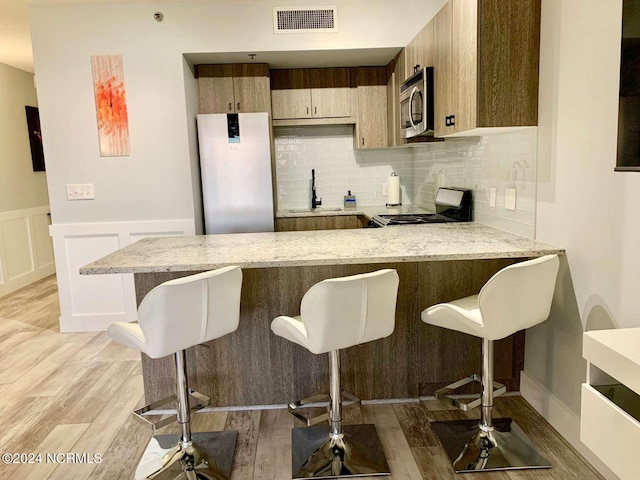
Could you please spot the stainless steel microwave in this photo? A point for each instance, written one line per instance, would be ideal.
(416, 104)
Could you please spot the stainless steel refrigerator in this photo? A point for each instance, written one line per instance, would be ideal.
(235, 166)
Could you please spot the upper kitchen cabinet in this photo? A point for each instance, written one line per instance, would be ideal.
(233, 88)
(486, 55)
(395, 73)
(371, 125)
(419, 51)
(312, 93)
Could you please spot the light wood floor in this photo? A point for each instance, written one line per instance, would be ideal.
(74, 393)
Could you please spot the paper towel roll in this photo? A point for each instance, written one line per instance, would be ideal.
(393, 190)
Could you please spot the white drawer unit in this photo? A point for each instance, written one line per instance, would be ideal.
(610, 412)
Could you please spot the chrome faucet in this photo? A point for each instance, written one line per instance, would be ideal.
(315, 200)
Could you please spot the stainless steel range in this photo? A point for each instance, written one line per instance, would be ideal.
(452, 205)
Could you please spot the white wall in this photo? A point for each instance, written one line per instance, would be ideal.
(155, 182)
(25, 247)
(155, 188)
(20, 186)
(583, 206)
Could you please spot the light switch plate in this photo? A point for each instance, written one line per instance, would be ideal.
(493, 193)
(80, 191)
(385, 188)
(510, 199)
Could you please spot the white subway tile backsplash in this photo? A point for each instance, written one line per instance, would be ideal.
(498, 161)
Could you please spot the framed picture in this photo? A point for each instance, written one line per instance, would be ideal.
(35, 138)
(111, 105)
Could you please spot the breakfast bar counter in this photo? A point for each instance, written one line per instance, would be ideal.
(407, 243)
(251, 366)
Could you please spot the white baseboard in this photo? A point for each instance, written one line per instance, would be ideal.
(91, 303)
(562, 419)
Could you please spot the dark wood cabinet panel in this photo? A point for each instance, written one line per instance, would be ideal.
(333, 222)
(486, 59)
(287, 79)
(329, 77)
(252, 366)
(508, 62)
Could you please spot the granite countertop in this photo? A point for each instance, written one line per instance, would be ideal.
(406, 243)
(367, 211)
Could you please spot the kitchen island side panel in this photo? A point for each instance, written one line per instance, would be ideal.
(252, 366)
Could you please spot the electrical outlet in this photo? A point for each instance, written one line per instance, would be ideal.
(80, 191)
(493, 193)
(510, 199)
(385, 189)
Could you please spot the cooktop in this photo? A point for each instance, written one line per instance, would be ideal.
(452, 205)
(410, 219)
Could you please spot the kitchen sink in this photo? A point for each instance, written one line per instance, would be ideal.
(314, 210)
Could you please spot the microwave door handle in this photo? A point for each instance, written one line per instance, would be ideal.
(413, 92)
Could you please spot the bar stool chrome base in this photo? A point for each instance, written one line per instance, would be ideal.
(506, 447)
(315, 455)
(209, 456)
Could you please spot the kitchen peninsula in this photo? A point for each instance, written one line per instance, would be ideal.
(253, 367)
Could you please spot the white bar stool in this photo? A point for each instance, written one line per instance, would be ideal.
(334, 314)
(172, 317)
(517, 297)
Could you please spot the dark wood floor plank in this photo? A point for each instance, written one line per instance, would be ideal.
(568, 463)
(247, 424)
(273, 454)
(415, 421)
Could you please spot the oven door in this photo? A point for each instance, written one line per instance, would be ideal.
(412, 107)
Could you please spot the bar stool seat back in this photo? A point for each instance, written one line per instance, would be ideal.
(172, 317)
(515, 298)
(342, 312)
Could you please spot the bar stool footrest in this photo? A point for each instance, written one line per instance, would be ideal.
(304, 409)
(444, 394)
(141, 414)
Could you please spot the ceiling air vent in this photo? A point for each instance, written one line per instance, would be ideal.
(305, 20)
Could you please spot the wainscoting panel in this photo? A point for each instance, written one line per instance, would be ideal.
(26, 253)
(93, 302)
(17, 240)
(94, 293)
(42, 245)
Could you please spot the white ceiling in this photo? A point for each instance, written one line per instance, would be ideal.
(15, 36)
(15, 43)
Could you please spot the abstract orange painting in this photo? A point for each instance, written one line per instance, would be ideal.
(111, 105)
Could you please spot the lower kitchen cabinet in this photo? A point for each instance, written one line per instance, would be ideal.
(333, 222)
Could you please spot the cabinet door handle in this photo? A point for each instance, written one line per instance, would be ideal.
(453, 120)
(363, 141)
(315, 110)
(307, 110)
(230, 107)
(238, 106)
